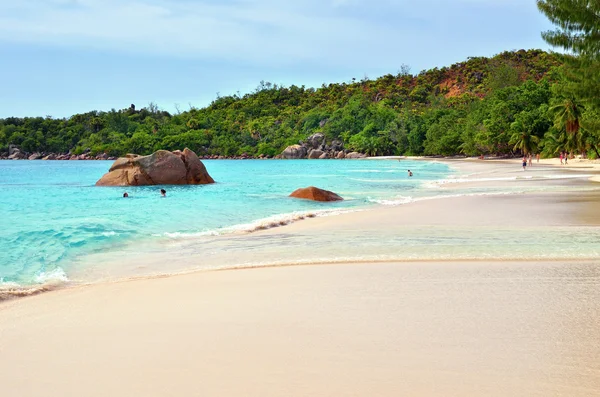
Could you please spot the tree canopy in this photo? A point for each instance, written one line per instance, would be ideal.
(577, 93)
(499, 105)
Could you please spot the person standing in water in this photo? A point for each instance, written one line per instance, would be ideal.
(163, 192)
(125, 194)
(409, 173)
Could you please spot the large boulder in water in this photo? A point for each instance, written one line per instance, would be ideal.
(316, 194)
(160, 168)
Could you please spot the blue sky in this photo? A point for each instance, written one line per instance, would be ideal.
(61, 57)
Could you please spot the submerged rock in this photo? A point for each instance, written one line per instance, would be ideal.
(316, 194)
(160, 168)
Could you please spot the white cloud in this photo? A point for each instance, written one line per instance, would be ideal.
(237, 30)
(385, 33)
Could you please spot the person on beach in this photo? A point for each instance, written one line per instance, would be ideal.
(566, 157)
(125, 194)
(530, 159)
(537, 157)
(163, 192)
(409, 173)
(524, 162)
(561, 157)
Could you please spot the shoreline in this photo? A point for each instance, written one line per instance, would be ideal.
(454, 327)
(365, 217)
(430, 329)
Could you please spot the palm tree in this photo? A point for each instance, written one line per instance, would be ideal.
(524, 141)
(567, 114)
(523, 137)
(567, 117)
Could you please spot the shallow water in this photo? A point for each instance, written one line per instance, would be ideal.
(59, 227)
(53, 215)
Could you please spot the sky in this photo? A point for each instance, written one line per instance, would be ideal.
(62, 57)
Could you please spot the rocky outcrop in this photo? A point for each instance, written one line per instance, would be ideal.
(12, 149)
(315, 141)
(159, 168)
(316, 147)
(355, 155)
(315, 153)
(294, 152)
(17, 155)
(316, 194)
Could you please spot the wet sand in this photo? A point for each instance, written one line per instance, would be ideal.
(453, 328)
(388, 329)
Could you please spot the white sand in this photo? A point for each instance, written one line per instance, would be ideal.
(386, 329)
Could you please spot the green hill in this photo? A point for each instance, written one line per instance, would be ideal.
(474, 107)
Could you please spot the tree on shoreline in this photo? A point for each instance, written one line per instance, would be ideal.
(578, 93)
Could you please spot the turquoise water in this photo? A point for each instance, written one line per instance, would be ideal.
(53, 217)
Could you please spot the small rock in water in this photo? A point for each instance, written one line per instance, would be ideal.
(316, 194)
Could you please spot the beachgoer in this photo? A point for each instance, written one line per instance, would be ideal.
(530, 159)
(409, 173)
(125, 194)
(163, 192)
(561, 157)
(566, 157)
(537, 157)
(524, 162)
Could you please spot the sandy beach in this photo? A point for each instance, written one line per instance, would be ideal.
(411, 328)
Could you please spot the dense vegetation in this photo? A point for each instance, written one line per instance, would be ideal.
(509, 104)
(576, 107)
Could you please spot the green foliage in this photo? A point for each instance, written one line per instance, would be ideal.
(473, 107)
(576, 103)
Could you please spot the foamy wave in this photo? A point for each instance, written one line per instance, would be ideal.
(260, 224)
(466, 179)
(378, 180)
(281, 220)
(9, 292)
(178, 235)
(448, 181)
(7, 284)
(381, 171)
(57, 275)
(108, 234)
(47, 281)
(392, 202)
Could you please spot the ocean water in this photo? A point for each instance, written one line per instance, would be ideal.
(53, 215)
(58, 227)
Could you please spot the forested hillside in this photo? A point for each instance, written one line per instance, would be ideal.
(501, 105)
